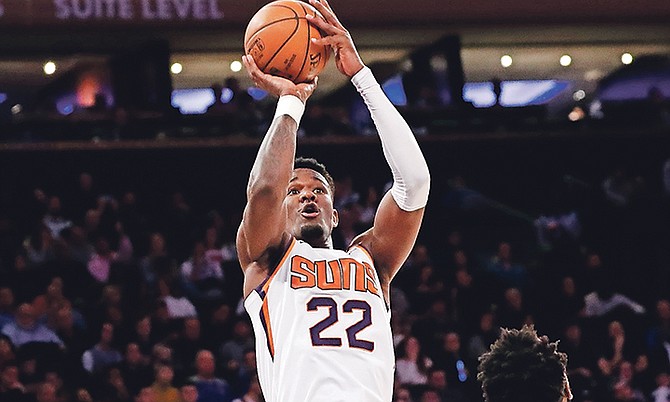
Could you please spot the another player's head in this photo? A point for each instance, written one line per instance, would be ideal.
(523, 367)
(309, 203)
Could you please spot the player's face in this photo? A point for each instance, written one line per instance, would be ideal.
(309, 207)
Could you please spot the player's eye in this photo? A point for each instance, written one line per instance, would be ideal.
(318, 190)
(293, 191)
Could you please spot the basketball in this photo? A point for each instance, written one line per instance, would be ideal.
(278, 37)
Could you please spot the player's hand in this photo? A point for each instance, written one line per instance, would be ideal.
(337, 37)
(275, 85)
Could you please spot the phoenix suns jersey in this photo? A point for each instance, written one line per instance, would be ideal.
(322, 328)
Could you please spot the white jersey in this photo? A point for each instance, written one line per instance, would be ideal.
(322, 328)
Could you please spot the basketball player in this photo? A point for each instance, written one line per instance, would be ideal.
(321, 316)
(522, 367)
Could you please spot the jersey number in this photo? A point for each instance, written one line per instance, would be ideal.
(348, 307)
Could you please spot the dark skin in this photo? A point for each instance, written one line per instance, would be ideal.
(283, 202)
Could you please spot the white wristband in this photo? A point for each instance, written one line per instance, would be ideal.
(290, 105)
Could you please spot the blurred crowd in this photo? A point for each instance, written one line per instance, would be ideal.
(106, 298)
(426, 105)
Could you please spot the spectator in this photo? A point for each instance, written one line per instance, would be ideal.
(201, 275)
(188, 392)
(46, 393)
(6, 306)
(620, 349)
(456, 366)
(430, 328)
(111, 387)
(146, 395)
(620, 187)
(163, 389)
(487, 332)
(54, 219)
(177, 305)
(467, 297)
(412, 365)
(39, 247)
(135, 369)
(11, 388)
(157, 264)
(26, 329)
(210, 388)
(102, 354)
(219, 326)
(232, 351)
(100, 264)
(187, 344)
(142, 335)
(513, 312)
(254, 393)
(402, 394)
(662, 391)
(437, 381)
(7, 351)
(508, 272)
(581, 363)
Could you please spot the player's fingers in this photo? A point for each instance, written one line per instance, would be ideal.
(323, 25)
(249, 63)
(311, 85)
(254, 72)
(334, 42)
(326, 11)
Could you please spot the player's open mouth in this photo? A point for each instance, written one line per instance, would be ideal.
(310, 211)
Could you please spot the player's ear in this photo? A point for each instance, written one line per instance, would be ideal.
(336, 218)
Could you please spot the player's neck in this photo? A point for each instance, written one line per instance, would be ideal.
(321, 243)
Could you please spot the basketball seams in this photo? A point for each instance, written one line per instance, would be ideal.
(297, 26)
(284, 42)
(309, 36)
(295, 17)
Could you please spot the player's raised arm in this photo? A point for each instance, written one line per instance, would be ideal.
(400, 212)
(263, 222)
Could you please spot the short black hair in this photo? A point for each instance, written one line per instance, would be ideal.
(523, 367)
(311, 163)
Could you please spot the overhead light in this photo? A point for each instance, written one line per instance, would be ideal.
(49, 67)
(506, 61)
(626, 58)
(579, 95)
(235, 66)
(576, 114)
(16, 109)
(176, 68)
(565, 60)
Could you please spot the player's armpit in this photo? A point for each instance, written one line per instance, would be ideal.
(392, 237)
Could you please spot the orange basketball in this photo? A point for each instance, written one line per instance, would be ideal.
(278, 37)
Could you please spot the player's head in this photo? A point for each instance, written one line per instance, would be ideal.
(522, 367)
(309, 202)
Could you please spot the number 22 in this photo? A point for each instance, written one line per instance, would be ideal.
(348, 307)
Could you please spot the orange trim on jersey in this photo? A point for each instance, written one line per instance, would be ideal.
(265, 309)
(281, 262)
(265, 313)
